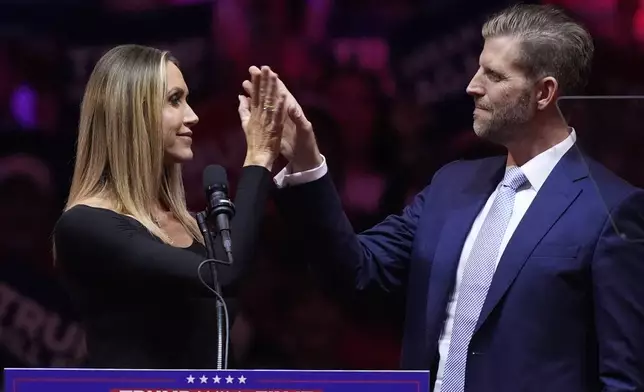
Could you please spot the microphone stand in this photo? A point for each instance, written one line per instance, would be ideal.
(222, 334)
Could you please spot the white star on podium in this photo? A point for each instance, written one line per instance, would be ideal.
(242, 380)
(190, 379)
(203, 379)
(229, 380)
(216, 379)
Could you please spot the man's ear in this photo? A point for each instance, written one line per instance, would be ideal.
(547, 91)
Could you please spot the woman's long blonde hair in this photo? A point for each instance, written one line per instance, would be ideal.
(120, 151)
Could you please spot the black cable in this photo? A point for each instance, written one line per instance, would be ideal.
(220, 302)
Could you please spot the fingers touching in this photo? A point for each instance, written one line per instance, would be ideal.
(253, 86)
(265, 90)
(267, 104)
(293, 109)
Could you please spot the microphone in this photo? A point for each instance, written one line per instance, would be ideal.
(219, 207)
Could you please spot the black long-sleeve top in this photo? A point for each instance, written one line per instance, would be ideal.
(141, 300)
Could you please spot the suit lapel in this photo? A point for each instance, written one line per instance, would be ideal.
(555, 196)
(459, 218)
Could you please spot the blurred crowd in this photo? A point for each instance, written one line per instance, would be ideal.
(350, 64)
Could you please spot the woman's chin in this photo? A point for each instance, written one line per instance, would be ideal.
(180, 156)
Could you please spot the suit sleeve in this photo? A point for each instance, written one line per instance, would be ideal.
(91, 242)
(251, 196)
(618, 286)
(377, 258)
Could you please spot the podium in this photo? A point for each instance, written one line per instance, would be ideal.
(108, 380)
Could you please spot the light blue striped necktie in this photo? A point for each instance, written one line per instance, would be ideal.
(477, 278)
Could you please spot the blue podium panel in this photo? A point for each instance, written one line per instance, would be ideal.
(104, 380)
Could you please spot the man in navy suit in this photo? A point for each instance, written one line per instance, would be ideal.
(522, 272)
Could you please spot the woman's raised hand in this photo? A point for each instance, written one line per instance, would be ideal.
(262, 117)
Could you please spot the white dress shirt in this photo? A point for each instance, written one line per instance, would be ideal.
(286, 178)
(536, 170)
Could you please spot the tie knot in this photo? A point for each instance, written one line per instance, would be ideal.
(514, 178)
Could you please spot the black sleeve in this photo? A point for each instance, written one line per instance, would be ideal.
(254, 186)
(91, 242)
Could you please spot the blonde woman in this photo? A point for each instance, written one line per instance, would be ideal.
(127, 246)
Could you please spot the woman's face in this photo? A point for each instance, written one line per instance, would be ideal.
(177, 118)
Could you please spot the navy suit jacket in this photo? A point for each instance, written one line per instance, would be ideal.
(565, 310)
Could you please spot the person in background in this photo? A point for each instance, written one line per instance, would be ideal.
(38, 325)
(523, 271)
(126, 245)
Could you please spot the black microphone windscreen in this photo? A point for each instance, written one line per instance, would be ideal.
(214, 174)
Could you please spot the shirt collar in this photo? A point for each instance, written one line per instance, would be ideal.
(538, 168)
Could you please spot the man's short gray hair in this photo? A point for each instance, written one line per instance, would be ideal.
(552, 43)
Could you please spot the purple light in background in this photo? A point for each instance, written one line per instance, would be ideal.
(23, 107)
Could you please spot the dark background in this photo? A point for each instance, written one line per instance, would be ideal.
(383, 83)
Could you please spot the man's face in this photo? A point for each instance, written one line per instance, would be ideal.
(504, 97)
